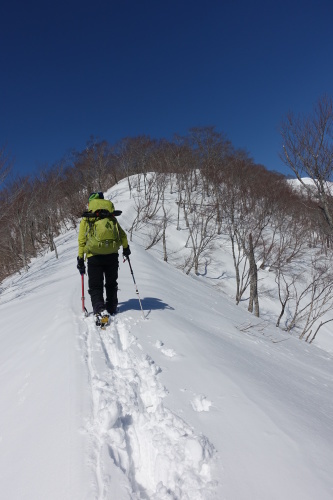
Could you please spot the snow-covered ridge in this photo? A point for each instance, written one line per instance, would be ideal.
(199, 400)
(296, 182)
(308, 181)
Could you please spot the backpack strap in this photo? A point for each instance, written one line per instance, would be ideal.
(101, 214)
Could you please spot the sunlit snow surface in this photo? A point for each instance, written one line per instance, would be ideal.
(196, 401)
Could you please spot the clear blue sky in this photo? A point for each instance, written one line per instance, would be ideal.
(116, 68)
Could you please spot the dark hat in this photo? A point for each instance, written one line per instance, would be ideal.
(96, 196)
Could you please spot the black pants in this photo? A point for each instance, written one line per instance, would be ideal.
(102, 267)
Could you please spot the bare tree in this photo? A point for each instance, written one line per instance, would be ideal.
(210, 149)
(200, 220)
(285, 290)
(94, 166)
(20, 199)
(147, 204)
(5, 164)
(161, 217)
(312, 297)
(162, 181)
(308, 151)
(48, 186)
(290, 245)
(250, 195)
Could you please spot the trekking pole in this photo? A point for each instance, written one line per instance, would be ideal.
(84, 310)
(136, 287)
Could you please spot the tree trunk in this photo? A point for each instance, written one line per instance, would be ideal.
(23, 249)
(254, 300)
(165, 255)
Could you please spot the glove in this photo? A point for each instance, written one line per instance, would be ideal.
(80, 265)
(126, 251)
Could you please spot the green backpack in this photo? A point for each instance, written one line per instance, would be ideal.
(103, 234)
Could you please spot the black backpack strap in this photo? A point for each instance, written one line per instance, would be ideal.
(101, 214)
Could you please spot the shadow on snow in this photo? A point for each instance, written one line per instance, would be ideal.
(148, 304)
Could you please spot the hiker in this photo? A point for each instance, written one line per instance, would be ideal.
(100, 237)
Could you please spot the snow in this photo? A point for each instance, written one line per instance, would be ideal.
(196, 401)
(296, 183)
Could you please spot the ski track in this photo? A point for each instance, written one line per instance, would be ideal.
(135, 440)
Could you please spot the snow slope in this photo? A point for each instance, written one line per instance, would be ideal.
(196, 401)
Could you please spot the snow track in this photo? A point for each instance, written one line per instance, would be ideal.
(136, 442)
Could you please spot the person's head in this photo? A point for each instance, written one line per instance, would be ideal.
(96, 196)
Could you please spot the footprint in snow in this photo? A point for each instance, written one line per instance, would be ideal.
(201, 403)
(170, 353)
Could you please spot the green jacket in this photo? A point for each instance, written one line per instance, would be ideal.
(84, 226)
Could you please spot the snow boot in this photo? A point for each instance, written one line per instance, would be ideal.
(102, 319)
